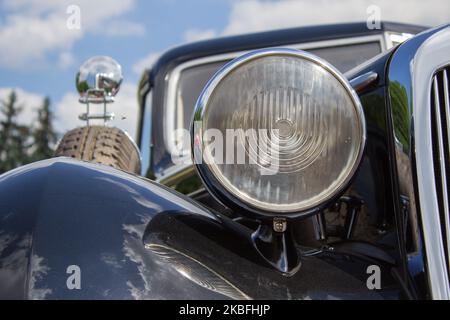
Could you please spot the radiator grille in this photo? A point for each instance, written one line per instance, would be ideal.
(440, 117)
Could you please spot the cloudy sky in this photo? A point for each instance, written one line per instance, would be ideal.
(39, 54)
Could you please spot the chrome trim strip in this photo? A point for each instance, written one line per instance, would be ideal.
(447, 119)
(174, 174)
(197, 192)
(363, 81)
(438, 124)
(395, 38)
(134, 145)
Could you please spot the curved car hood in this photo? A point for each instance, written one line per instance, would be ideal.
(133, 239)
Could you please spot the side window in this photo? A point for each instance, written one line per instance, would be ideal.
(190, 84)
(347, 57)
(146, 140)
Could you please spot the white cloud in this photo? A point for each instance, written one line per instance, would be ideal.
(146, 62)
(34, 28)
(66, 113)
(125, 108)
(65, 60)
(252, 15)
(26, 40)
(249, 16)
(189, 36)
(32, 6)
(192, 35)
(28, 100)
(121, 28)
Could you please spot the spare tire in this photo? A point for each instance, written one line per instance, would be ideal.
(100, 144)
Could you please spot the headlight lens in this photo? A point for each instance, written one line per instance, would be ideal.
(293, 131)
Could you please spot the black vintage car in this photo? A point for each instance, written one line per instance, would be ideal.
(309, 163)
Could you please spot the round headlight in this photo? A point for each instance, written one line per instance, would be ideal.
(278, 131)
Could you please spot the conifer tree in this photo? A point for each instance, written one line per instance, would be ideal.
(44, 136)
(13, 136)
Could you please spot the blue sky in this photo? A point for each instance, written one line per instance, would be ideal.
(39, 55)
(162, 22)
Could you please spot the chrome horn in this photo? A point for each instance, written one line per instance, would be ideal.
(98, 81)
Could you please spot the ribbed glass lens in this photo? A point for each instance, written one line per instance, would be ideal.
(292, 133)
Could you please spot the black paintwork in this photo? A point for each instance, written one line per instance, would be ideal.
(134, 239)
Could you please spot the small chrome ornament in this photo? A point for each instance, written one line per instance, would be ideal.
(279, 224)
(98, 81)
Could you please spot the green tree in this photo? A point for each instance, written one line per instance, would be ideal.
(13, 136)
(44, 135)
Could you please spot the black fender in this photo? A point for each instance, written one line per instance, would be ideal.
(131, 238)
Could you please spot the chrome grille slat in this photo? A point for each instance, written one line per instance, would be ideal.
(447, 118)
(440, 103)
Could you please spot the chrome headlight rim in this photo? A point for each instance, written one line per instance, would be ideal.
(233, 200)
